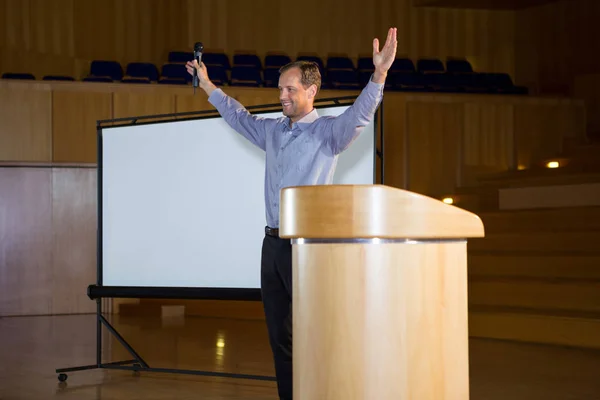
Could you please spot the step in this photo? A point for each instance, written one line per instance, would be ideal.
(538, 243)
(541, 177)
(576, 150)
(566, 329)
(495, 265)
(537, 220)
(553, 196)
(536, 293)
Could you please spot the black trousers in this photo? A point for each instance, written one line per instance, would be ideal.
(276, 288)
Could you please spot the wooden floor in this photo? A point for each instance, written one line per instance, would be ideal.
(31, 348)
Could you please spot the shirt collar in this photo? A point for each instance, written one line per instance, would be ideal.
(305, 121)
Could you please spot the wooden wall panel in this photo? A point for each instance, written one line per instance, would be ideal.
(488, 140)
(555, 43)
(188, 103)
(434, 134)
(587, 87)
(75, 114)
(26, 129)
(73, 32)
(25, 241)
(133, 104)
(539, 132)
(47, 240)
(489, 133)
(394, 144)
(74, 223)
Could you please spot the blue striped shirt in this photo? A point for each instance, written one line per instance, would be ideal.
(305, 153)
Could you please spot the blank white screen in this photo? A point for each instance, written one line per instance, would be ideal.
(183, 202)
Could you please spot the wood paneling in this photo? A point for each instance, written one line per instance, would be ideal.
(74, 224)
(545, 266)
(436, 141)
(482, 4)
(26, 128)
(25, 241)
(130, 104)
(434, 133)
(74, 123)
(541, 127)
(47, 246)
(536, 293)
(555, 43)
(64, 36)
(587, 87)
(488, 139)
(542, 329)
(395, 148)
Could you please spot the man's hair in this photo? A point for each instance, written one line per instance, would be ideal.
(309, 71)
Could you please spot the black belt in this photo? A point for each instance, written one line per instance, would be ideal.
(272, 231)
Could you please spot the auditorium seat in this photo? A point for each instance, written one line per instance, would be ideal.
(343, 79)
(276, 60)
(271, 77)
(216, 58)
(175, 71)
(103, 68)
(493, 83)
(142, 70)
(57, 78)
(245, 76)
(443, 82)
(218, 75)
(430, 65)
(458, 66)
(339, 62)
(408, 82)
(403, 64)
(246, 59)
(364, 63)
(307, 56)
(312, 57)
(18, 75)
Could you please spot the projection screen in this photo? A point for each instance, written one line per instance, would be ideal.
(181, 203)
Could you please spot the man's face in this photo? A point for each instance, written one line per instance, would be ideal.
(295, 99)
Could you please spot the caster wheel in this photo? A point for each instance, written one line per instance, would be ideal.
(62, 377)
(136, 371)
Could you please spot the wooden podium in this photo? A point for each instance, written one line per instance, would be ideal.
(379, 293)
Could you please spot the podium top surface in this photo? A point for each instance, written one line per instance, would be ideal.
(371, 211)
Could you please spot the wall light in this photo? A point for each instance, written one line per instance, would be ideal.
(553, 164)
(448, 200)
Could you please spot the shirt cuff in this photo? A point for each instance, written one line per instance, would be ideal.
(373, 86)
(216, 96)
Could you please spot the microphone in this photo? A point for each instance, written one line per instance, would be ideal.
(198, 49)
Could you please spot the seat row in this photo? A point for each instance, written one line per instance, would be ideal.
(338, 72)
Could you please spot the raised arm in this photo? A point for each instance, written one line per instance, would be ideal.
(347, 126)
(233, 112)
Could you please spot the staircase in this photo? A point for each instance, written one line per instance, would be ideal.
(535, 277)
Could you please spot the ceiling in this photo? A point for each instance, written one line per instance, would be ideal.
(482, 4)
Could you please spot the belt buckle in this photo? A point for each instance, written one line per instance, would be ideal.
(272, 231)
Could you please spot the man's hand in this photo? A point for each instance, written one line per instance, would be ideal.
(203, 80)
(382, 60)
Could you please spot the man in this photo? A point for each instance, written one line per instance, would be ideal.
(301, 149)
